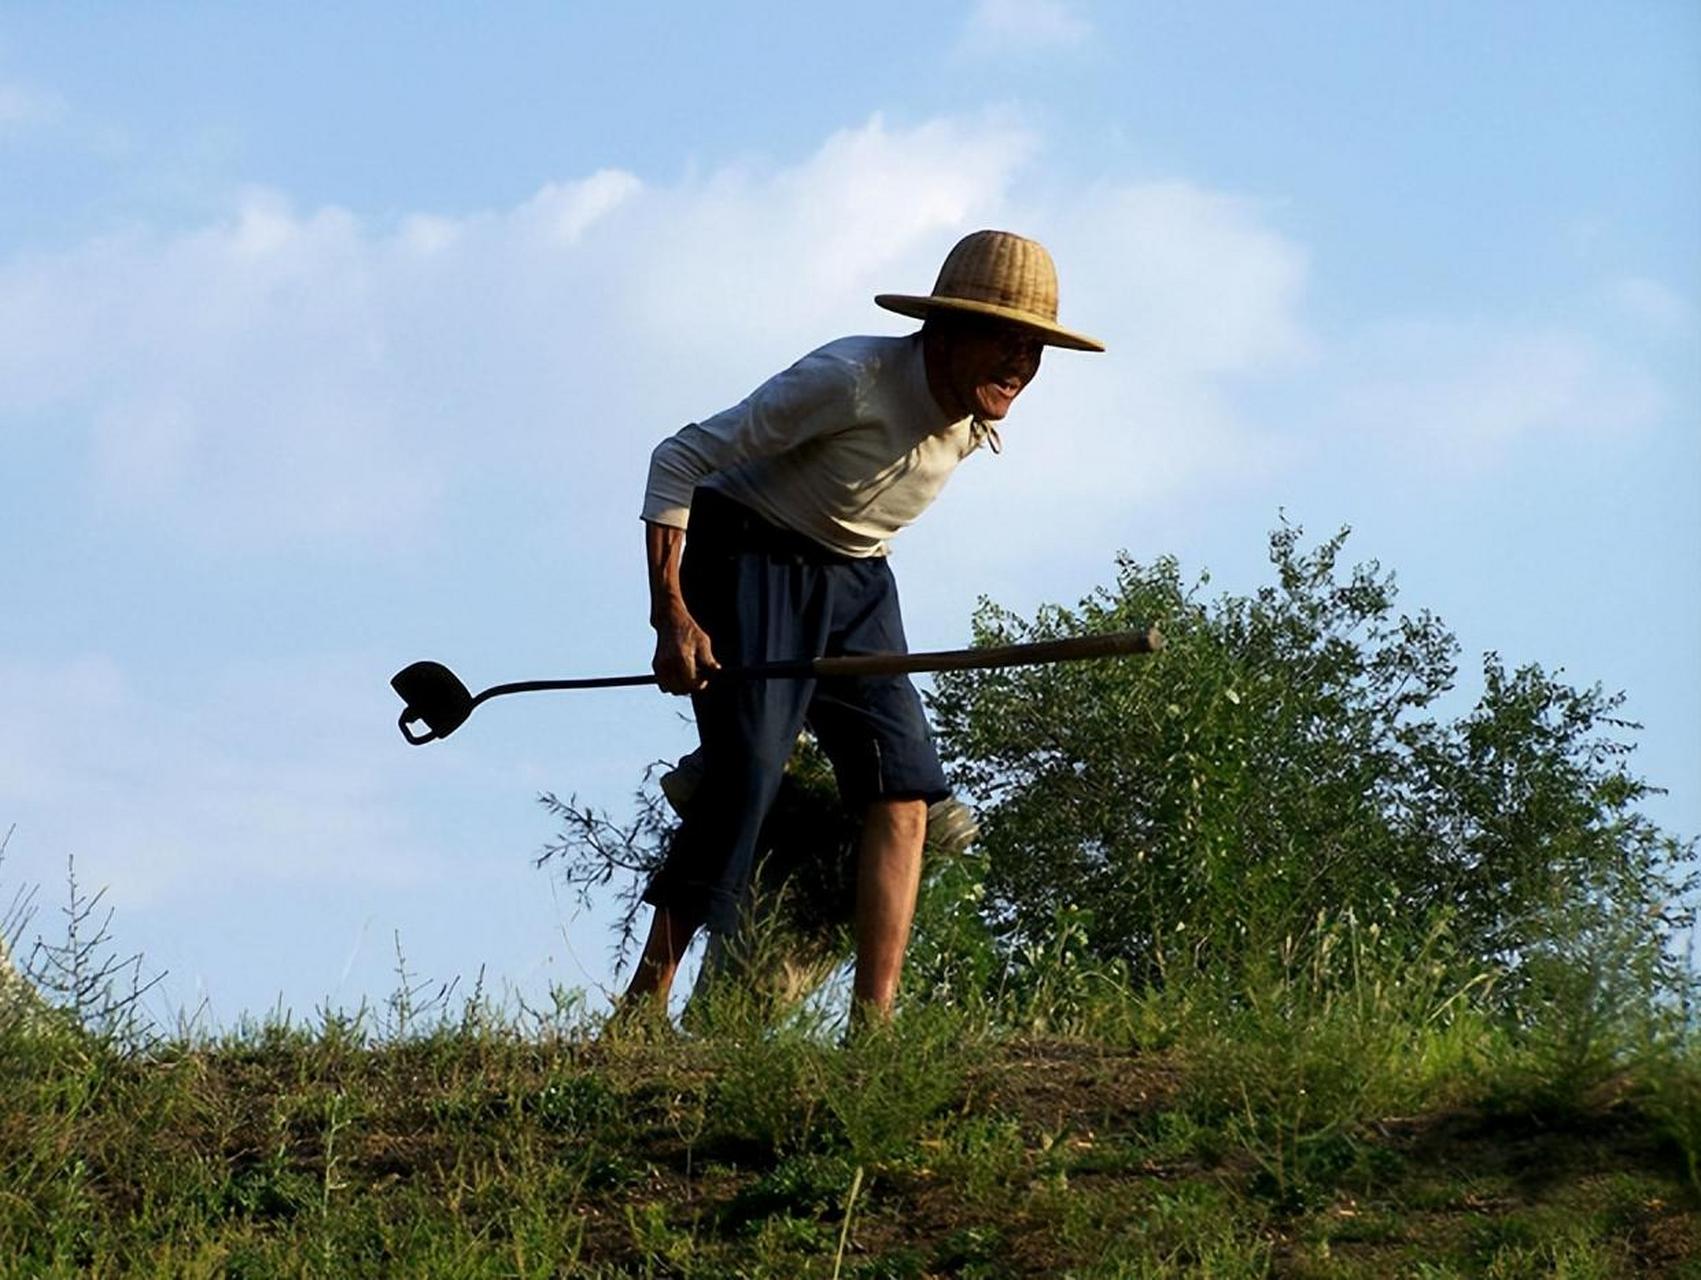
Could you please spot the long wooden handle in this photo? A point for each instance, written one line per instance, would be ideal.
(1072, 649)
(1112, 645)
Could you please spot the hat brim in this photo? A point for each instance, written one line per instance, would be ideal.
(1053, 335)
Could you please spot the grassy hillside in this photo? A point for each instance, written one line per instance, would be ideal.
(948, 1147)
(1264, 963)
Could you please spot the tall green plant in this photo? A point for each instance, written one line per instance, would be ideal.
(1285, 757)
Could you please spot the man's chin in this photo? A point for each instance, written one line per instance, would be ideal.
(992, 403)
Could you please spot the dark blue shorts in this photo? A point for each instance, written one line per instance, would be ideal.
(766, 594)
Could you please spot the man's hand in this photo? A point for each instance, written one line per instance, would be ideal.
(684, 657)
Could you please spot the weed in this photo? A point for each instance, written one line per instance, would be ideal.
(886, 1087)
(661, 1247)
(580, 1104)
(1670, 1078)
(1316, 1108)
(809, 1186)
(767, 1094)
(1313, 1050)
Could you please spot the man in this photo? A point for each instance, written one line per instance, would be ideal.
(792, 497)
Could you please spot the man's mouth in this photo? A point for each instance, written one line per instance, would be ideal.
(995, 394)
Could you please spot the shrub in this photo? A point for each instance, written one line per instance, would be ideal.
(1286, 757)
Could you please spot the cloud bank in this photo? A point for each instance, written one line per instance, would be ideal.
(318, 384)
(262, 777)
(1023, 26)
(1462, 396)
(23, 108)
(293, 377)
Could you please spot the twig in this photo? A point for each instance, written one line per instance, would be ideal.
(844, 1230)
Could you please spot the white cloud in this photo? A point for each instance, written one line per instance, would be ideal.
(295, 378)
(236, 375)
(1023, 25)
(1658, 307)
(23, 108)
(286, 377)
(1465, 395)
(264, 774)
(1188, 280)
(562, 211)
(291, 377)
(746, 258)
(313, 381)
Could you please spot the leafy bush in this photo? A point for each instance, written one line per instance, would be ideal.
(1286, 758)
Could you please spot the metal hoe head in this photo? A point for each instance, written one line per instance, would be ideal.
(434, 695)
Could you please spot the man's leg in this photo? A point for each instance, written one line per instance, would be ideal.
(756, 607)
(670, 933)
(875, 732)
(888, 875)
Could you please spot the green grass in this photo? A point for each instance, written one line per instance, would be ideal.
(1301, 1138)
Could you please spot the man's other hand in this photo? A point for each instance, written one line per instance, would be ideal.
(684, 658)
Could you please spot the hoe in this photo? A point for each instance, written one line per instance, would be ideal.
(436, 698)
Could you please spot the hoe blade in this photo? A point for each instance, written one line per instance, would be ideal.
(435, 695)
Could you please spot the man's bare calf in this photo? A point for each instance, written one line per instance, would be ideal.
(888, 876)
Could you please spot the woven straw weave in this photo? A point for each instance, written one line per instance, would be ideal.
(1001, 275)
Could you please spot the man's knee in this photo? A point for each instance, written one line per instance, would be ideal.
(901, 818)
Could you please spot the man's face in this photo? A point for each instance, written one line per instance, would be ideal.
(987, 364)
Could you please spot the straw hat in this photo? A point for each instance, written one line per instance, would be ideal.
(996, 273)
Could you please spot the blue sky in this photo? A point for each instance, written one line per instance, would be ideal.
(332, 340)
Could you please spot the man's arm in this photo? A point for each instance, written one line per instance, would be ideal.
(816, 395)
(683, 655)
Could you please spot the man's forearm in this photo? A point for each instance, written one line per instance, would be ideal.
(662, 546)
(685, 658)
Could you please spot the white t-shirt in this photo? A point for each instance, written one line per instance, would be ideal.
(846, 447)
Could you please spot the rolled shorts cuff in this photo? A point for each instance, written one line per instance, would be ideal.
(717, 907)
(900, 770)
